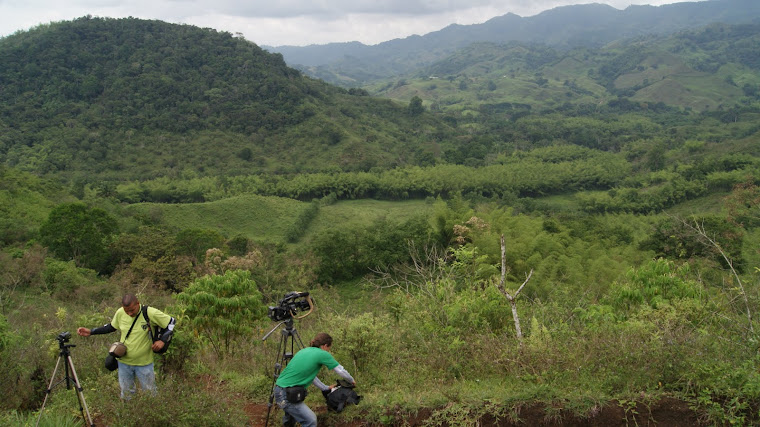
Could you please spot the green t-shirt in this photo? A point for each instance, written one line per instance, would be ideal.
(139, 343)
(304, 366)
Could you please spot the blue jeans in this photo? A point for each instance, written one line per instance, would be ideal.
(294, 411)
(128, 374)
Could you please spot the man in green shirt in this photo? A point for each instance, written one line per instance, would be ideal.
(301, 371)
(137, 363)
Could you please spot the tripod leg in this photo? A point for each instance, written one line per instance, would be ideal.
(47, 392)
(295, 333)
(278, 365)
(283, 357)
(80, 394)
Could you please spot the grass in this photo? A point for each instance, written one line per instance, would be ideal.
(260, 218)
(266, 219)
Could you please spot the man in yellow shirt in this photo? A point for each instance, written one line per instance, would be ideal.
(137, 363)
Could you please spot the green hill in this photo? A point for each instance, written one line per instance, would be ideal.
(701, 70)
(99, 98)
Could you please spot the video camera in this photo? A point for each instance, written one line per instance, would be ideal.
(290, 305)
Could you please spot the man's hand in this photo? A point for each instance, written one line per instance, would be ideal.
(83, 332)
(158, 345)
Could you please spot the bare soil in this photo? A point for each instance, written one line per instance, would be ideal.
(667, 412)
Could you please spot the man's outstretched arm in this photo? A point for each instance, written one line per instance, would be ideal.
(105, 329)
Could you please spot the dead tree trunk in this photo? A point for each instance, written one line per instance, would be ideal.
(512, 299)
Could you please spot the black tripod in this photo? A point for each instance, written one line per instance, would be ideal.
(69, 367)
(285, 352)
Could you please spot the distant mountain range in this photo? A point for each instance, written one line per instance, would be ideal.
(591, 25)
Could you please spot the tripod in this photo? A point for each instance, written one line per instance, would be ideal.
(69, 366)
(287, 342)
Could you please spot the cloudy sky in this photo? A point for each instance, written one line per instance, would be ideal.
(292, 22)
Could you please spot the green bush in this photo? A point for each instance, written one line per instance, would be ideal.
(63, 278)
(223, 308)
(77, 232)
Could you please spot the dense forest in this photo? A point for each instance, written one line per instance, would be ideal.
(196, 170)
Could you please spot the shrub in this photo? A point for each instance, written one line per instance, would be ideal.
(63, 278)
(223, 308)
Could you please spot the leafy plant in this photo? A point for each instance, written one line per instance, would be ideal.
(223, 307)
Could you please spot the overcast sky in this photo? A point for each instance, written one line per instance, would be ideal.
(292, 22)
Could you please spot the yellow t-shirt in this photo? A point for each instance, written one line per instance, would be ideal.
(139, 343)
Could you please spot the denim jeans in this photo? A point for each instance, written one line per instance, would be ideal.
(128, 374)
(294, 411)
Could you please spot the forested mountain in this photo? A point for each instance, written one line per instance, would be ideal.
(709, 68)
(131, 98)
(589, 25)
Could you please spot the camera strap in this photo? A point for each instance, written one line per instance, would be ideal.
(130, 328)
(144, 311)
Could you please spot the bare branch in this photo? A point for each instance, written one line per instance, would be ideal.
(701, 231)
(500, 286)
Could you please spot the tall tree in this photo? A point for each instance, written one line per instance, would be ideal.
(76, 232)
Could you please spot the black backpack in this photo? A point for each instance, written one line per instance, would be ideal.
(158, 333)
(342, 394)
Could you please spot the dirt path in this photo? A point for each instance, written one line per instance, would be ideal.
(664, 413)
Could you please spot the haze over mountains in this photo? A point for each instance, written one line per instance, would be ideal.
(590, 25)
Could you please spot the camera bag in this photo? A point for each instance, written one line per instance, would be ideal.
(295, 394)
(110, 363)
(158, 334)
(340, 396)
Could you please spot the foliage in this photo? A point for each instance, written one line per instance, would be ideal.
(528, 174)
(674, 239)
(347, 253)
(25, 201)
(79, 233)
(6, 336)
(193, 101)
(202, 406)
(223, 308)
(195, 242)
(302, 222)
(632, 74)
(655, 284)
(63, 278)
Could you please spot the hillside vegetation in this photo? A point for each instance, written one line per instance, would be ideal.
(105, 99)
(708, 69)
(591, 26)
(195, 170)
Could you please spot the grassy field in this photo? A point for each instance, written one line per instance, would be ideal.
(266, 219)
(259, 218)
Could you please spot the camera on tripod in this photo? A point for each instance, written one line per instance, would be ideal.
(63, 337)
(290, 305)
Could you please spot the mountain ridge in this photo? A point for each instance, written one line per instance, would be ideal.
(564, 27)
